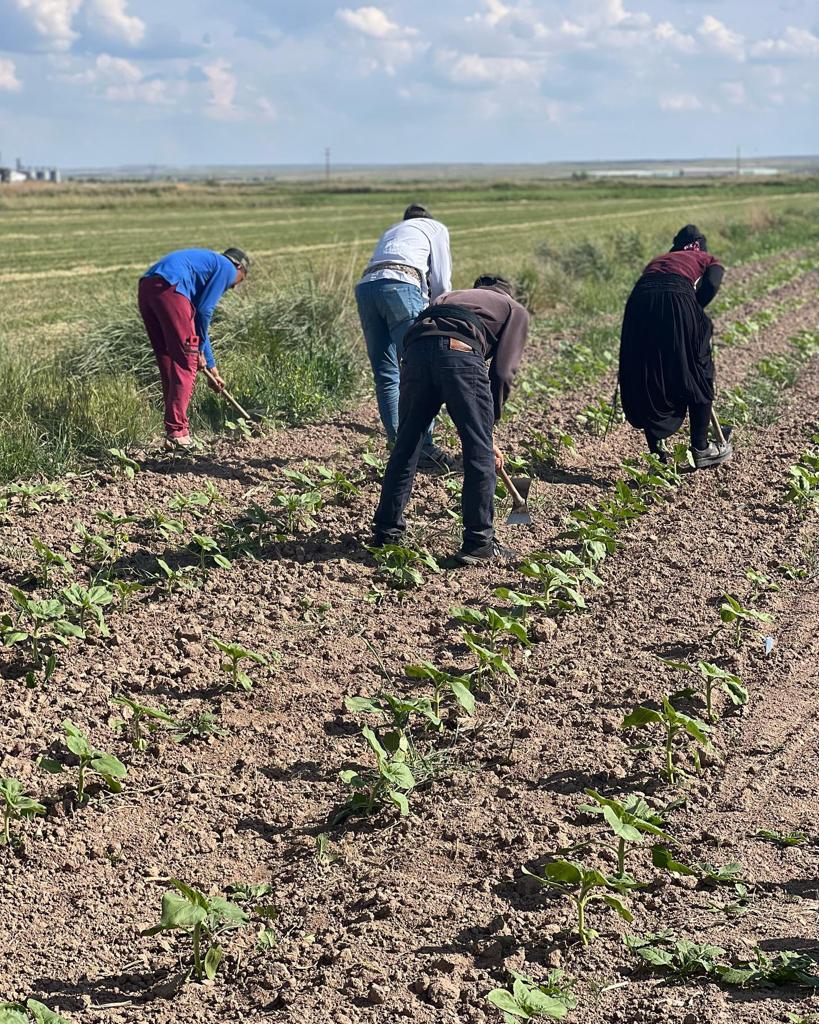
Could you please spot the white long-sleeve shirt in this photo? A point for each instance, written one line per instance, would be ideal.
(421, 243)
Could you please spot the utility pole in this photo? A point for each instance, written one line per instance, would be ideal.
(327, 162)
(739, 162)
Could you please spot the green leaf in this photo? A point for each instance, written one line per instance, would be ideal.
(506, 1002)
(400, 802)
(42, 1014)
(621, 828)
(213, 958)
(564, 871)
(399, 775)
(49, 765)
(618, 906)
(661, 858)
(180, 912)
(640, 716)
(109, 767)
(462, 695)
(12, 1013)
(362, 705)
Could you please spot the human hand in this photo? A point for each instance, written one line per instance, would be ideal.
(215, 382)
(499, 458)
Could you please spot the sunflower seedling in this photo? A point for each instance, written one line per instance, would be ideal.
(528, 1000)
(197, 727)
(784, 839)
(674, 723)
(208, 548)
(713, 677)
(784, 967)
(297, 509)
(457, 686)
(143, 722)
(123, 465)
(733, 613)
(88, 603)
(31, 1010)
(581, 886)
(630, 821)
(681, 958)
(488, 662)
(396, 712)
(387, 784)
(235, 654)
(109, 768)
(204, 919)
(15, 806)
(48, 560)
(39, 625)
(397, 565)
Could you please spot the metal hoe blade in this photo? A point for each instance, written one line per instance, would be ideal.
(520, 514)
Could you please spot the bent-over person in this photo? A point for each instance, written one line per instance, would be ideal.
(666, 367)
(462, 352)
(177, 297)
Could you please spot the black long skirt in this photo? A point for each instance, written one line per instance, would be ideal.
(665, 354)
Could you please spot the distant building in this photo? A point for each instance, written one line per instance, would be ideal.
(17, 174)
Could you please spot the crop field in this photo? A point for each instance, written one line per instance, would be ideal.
(252, 769)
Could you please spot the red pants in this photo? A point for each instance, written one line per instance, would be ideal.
(169, 321)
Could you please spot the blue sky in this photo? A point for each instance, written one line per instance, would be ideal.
(108, 82)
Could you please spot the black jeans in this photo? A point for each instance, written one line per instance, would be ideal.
(433, 375)
(699, 419)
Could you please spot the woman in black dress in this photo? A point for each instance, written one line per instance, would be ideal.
(666, 367)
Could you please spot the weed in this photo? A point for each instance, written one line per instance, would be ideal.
(674, 723)
(457, 685)
(761, 584)
(596, 418)
(529, 1000)
(323, 853)
(297, 509)
(197, 727)
(630, 822)
(543, 452)
(236, 654)
(174, 579)
(342, 488)
(109, 768)
(208, 548)
(708, 874)
(784, 967)
(375, 463)
(680, 957)
(489, 661)
(123, 464)
(164, 526)
(143, 722)
(803, 488)
(783, 838)
(732, 612)
(47, 560)
(387, 784)
(203, 919)
(15, 806)
(581, 886)
(713, 677)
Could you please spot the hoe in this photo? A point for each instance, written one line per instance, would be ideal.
(518, 489)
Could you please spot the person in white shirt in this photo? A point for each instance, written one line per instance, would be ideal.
(410, 268)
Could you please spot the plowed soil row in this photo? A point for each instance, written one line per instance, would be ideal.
(417, 919)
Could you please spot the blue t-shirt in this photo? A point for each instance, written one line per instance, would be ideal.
(203, 276)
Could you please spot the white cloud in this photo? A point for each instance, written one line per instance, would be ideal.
(153, 91)
(223, 85)
(267, 110)
(373, 22)
(123, 81)
(794, 42)
(720, 38)
(734, 93)
(494, 15)
(9, 82)
(473, 69)
(669, 36)
(52, 19)
(111, 17)
(679, 102)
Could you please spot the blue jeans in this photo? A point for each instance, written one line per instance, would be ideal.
(435, 375)
(387, 309)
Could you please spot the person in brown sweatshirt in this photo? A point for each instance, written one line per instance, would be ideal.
(463, 351)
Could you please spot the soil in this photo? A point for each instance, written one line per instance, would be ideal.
(419, 918)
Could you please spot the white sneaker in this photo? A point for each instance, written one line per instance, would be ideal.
(184, 441)
(713, 455)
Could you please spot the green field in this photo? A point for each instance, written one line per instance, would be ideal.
(73, 255)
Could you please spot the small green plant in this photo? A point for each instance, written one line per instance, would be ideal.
(204, 919)
(88, 603)
(543, 452)
(91, 760)
(31, 1010)
(761, 584)
(174, 579)
(398, 566)
(375, 463)
(803, 486)
(783, 838)
(674, 724)
(124, 591)
(208, 548)
(163, 526)
(630, 821)
(396, 712)
(596, 418)
(530, 1000)
(442, 682)
(15, 806)
(197, 727)
(733, 613)
(39, 625)
(581, 885)
(389, 783)
(713, 678)
(123, 464)
(708, 874)
(489, 662)
(235, 654)
(142, 723)
(341, 487)
(492, 625)
(48, 560)
(681, 958)
(785, 967)
(297, 510)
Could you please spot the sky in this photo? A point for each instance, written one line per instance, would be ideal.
(102, 83)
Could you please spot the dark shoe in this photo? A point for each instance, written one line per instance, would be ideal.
(713, 455)
(380, 539)
(436, 458)
(660, 452)
(494, 552)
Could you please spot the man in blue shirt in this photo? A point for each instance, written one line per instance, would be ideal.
(177, 297)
